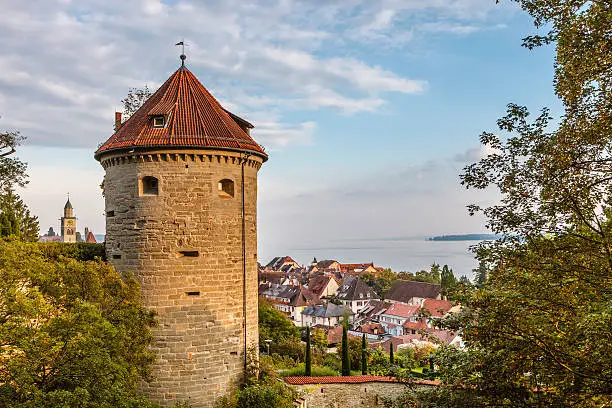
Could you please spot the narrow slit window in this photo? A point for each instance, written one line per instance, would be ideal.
(116, 256)
(193, 293)
(189, 253)
(110, 213)
(149, 186)
(226, 188)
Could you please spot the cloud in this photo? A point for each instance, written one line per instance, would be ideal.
(66, 65)
(323, 214)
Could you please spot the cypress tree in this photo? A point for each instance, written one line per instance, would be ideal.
(346, 362)
(308, 370)
(391, 359)
(364, 358)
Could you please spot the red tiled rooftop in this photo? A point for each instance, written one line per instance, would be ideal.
(194, 119)
(354, 379)
(437, 307)
(402, 310)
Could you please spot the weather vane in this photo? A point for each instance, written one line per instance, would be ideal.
(183, 56)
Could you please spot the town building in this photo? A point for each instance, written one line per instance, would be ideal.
(328, 315)
(180, 190)
(323, 285)
(355, 294)
(68, 223)
(396, 315)
(282, 264)
(412, 292)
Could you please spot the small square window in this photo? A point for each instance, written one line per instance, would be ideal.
(159, 121)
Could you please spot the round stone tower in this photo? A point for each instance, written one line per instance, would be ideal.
(181, 213)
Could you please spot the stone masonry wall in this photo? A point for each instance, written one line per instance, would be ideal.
(199, 299)
(343, 395)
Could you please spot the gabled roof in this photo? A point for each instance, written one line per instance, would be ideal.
(354, 288)
(401, 310)
(328, 310)
(318, 283)
(277, 262)
(304, 297)
(90, 239)
(326, 263)
(437, 307)
(403, 291)
(193, 119)
(355, 267)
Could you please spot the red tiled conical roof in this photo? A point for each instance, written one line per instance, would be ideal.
(194, 119)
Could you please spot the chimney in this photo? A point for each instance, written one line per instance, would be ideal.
(117, 121)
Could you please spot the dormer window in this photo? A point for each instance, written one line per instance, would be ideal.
(159, 121)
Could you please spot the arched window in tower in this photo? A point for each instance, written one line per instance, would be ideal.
(149, 186)
(226, 188)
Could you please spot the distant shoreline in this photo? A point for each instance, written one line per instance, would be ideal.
(465, 237)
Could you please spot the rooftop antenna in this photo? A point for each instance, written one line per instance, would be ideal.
(183, 57)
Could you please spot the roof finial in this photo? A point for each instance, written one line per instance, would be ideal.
(183, 57)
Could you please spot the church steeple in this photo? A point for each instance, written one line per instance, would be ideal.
(68, 223)
(68, 208)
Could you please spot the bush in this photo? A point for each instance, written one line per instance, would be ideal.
(333, 362)
(81, 251)
(277, 395)
(73, 333)
(317, 371)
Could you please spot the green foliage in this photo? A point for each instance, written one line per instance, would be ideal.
(344, 350)
(277, 327)
(261, 388)
(80, 251)
(537, 327)
(15, 218)
(333, 362)
(72, 334)
(260, 395)
(12, 170)
(316, 371)
(308, 360)
(364, 355)
(447, 281)
(319, 339)
(391, 357)
(382, 282)
(379, 362)
(354, 352)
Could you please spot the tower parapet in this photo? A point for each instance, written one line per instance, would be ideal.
(180, 193)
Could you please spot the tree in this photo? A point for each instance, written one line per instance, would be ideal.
(382, 282)
(480, 274)
(135, 98)
(72, 333)
(536, 332)
(15, 218)
(319, 339)
(308, 362)
(346, 362)
(391, 359)
(12, 170)
(447, 281)
(275, 326)
(364, 355)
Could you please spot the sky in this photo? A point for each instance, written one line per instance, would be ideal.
(368, 109)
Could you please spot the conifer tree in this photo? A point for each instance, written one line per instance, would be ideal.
(346, 361)
(391, 358)
(308, 362)
(364, 356)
